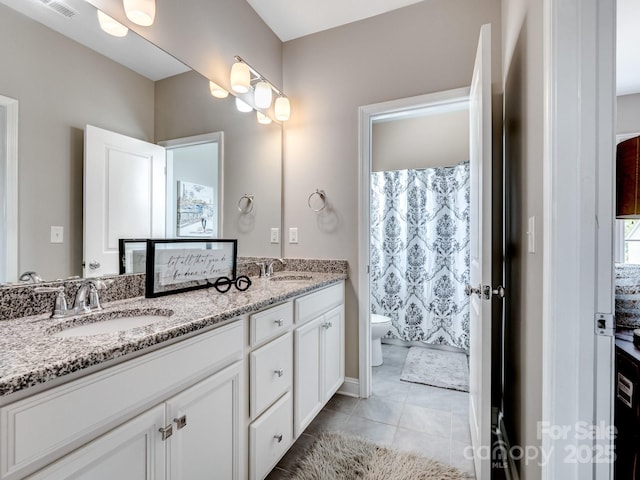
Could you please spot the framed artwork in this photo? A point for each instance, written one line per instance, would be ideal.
(133, 255)
(179, 265)
(196, 210)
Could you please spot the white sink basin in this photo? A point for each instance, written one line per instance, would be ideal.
(110, 324)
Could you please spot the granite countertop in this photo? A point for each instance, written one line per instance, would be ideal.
(31, 355)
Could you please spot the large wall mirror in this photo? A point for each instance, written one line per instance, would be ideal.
(61, 86)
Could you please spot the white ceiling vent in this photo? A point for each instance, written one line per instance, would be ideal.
(60, 8)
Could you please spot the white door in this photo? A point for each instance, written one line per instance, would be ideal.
(124, 196)
(133, 451)
(333, 352)
(307, 383)
(206, 439)
(480, 320)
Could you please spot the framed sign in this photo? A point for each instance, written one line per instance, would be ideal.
(175, 266)
(133, 255)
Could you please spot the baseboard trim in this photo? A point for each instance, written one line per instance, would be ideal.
(350, 387)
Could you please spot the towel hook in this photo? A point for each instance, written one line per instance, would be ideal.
(323, 200)
(247, 205)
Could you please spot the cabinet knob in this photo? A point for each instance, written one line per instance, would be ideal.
(166, 431)
(278, 437)
(181, 422)
(279, 322)
(327, 325)
(279, 372)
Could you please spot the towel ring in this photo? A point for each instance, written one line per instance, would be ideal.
(323, 200)
(248, 204)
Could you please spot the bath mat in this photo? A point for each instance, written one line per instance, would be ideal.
(439, 368)
(336, 456)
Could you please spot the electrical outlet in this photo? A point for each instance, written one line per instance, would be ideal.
(293, 235)
(57, 234)
(275, 235)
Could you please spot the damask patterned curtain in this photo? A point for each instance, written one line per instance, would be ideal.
(420, 253)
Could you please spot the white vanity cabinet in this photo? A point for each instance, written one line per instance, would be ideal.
(175, 413)
(318, 352)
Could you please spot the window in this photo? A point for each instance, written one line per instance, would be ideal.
(629, 241)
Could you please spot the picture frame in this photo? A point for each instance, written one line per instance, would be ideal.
(181, 265)
(132, 255)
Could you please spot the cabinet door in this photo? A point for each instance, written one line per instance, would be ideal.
(333, 352)
(206, 438)
(133, 451)
(307, 379)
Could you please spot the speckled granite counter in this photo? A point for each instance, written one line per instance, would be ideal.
(30, 355)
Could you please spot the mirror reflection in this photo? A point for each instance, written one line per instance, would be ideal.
(60, 86)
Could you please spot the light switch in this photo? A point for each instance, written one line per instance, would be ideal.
(275, 235)
(57, 234)
(293, 235)
(531, 234)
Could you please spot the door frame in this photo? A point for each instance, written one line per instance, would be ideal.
(578, 197)
(366, 115)
(10, 197)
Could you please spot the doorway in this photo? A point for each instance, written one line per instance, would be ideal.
(8, 189)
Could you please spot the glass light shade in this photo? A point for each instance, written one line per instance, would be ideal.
(262, 95)
(217, 91)
(111, 26)
(240, 77)
(262, 118)
(282, 109)
(242, 106)
(140, 12)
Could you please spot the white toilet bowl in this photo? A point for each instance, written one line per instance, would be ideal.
(380, 325)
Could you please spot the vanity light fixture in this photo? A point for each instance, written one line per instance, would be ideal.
(282, 108)
(262, 94)
(262, 118)
(111, 26)
(140, 12)
(243, 106)
(244, 78)
(240, 77)
(217, 91)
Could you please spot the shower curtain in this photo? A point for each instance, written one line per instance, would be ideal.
(420, 253)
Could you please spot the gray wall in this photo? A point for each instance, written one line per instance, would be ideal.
(523, 137)
(330, 74)
(628, 120)
(437, 140)
(61, 86)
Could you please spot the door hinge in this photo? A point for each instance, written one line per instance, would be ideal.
(605, 324)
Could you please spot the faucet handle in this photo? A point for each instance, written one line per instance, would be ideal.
(263, 268)
(60, 308)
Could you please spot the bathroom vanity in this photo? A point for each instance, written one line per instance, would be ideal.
(222, 385)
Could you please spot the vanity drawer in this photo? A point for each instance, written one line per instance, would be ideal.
(271, 373)
(45, 426)
(270, 323)
(315, 304)
(270, 437)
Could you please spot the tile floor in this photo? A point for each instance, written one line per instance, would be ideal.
(430, 421)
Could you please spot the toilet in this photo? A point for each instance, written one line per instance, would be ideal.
(380, 325)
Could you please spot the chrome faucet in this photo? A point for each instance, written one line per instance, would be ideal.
(31, 277)
(85, 301)
(269, 266)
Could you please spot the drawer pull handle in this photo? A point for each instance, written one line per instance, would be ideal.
(279, 322)
(327, 325)
(181, 422)
(166, 431)
(278, 437)
(279, 372)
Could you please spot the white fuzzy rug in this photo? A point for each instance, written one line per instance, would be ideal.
(439, 368)
(336, 456)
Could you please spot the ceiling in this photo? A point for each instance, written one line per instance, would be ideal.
(289, 19)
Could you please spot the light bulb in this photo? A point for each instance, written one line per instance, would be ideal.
(111, 26)
(262, 95)
(262, 118)
(242, 106)
(217, 91)
(140, 12)
(240, 77)
(282, 109)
